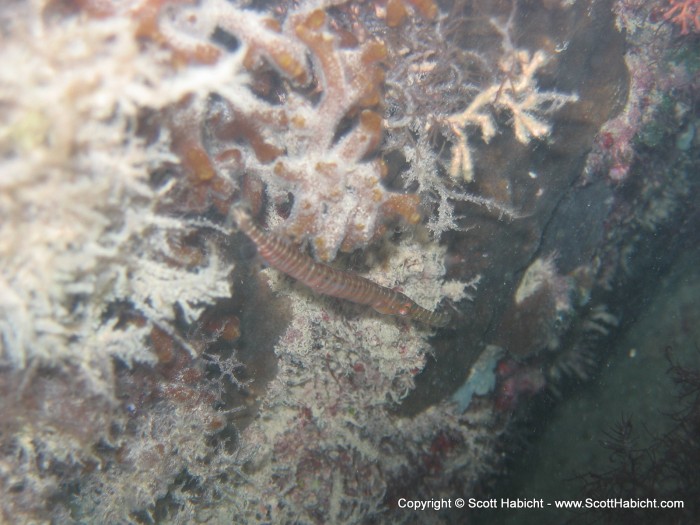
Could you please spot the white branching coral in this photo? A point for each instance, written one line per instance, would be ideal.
(310, 144)
(455, 84)
(79, 228)
(516, 93)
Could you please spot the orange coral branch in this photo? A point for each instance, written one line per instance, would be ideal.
(684, 13)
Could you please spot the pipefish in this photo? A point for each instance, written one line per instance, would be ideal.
(327, 280)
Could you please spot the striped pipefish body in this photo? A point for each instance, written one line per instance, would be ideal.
(327, 280)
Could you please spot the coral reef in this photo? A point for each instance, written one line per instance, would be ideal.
(150, 372)
(94, 278)
(652, 77)
(317, 145)
(333, 369)
(460, 81)
(115, 139)
(77, 206)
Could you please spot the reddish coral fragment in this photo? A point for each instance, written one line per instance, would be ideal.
(686, 14)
